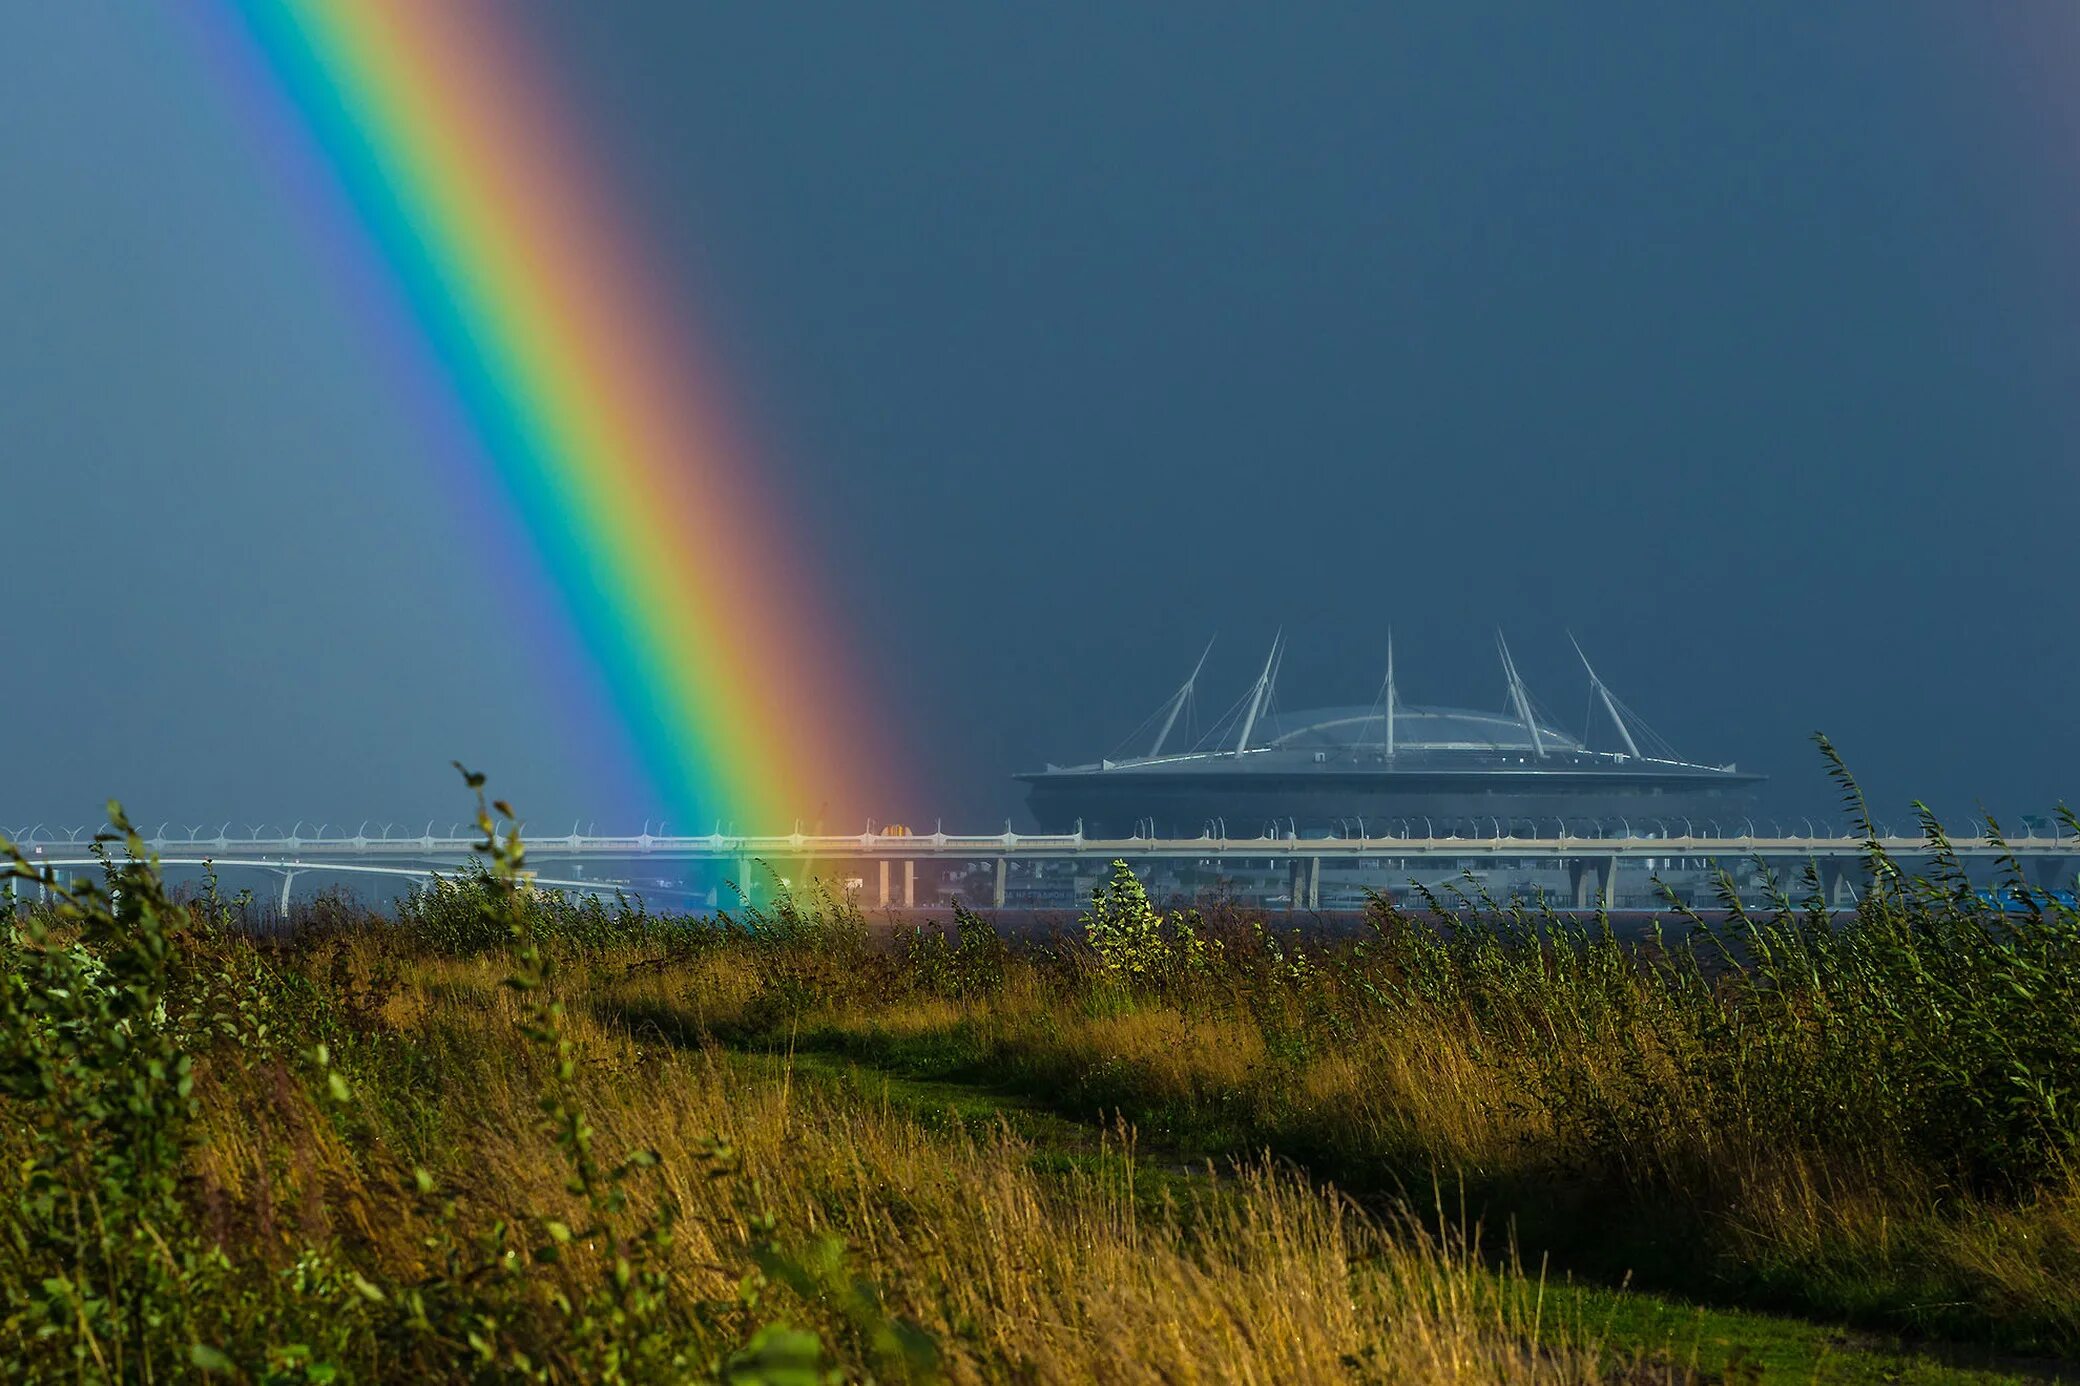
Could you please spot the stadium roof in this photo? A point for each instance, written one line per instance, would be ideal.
(1415, 729)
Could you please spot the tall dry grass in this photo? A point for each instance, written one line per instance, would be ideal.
(1874, 1117)
(380, 1158)
(1064, 1276)
(508, 1136)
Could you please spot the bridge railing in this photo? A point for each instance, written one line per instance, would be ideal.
(979, 847)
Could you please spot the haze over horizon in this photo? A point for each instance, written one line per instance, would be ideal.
(1741, 343)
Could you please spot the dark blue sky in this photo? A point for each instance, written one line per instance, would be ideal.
(1742, 340)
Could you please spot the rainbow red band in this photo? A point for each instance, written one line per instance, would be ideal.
(583, 396)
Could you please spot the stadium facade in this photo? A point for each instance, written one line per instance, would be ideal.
(1391, 769)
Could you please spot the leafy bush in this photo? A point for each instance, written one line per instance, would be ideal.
(117, 1262)
(99, 1021)
(1138, 944)
(970, 965)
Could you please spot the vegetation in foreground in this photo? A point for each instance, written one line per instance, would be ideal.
(510, 1137)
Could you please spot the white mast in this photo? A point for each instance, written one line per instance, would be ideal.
(1609, 704)
(1390, 693)
(1177, 702)
(1519, 697)
(1256, 697)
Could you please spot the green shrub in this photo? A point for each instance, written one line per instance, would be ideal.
(1137, 944)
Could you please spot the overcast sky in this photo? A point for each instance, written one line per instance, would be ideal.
(1743, 340)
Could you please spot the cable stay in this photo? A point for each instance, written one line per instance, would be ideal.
(1386, 702)
(1623, 717)
(1390, 695)
(1656, 746)
(1167, 713)
(1520, 699)
(1546, 720)
(1120, 749)
(1179, 701)
(1218, 733)
(1237, 731)
(1261, 691)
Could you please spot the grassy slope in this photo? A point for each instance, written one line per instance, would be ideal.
(1382, 1112)
(1625, 1325)
(1024, 1247)
(671, 1148)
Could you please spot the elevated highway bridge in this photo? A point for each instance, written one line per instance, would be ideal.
(901, 870)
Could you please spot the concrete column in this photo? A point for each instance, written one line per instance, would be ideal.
(1610, 882)
(1791, 878)
(1737, 868)
(1831, 880)
(909, 884)
(1314, 883)
(1296, 883)
(2051, 873)
(1003, 870)
(883, 865)
(1578, 879)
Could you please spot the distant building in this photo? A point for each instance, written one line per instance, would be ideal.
(1391, 769)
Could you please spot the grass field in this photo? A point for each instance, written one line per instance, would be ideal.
(506, 1136)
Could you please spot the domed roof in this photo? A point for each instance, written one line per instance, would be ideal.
(1415, 729)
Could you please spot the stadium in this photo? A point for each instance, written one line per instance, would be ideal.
(1391, 769)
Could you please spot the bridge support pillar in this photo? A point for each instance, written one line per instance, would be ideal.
(1774, 871)
(288, 880)
(1296, 886)
(1737, 869)
(882, 897)
(2051, 873)
(996, 896)
(1791, 879)
(1593, 881)
(909, 883)
(745, 867)
(1314, 883)
(1833, 873)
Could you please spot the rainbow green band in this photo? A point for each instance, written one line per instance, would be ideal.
(583, 397)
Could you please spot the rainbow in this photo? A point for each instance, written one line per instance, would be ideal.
(583, 397)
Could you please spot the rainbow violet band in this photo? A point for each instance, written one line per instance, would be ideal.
(584, 398)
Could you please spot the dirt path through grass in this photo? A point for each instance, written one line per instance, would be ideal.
(1724, 1344)
(1660, 1331)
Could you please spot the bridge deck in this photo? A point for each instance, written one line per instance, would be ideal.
(798, 847)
